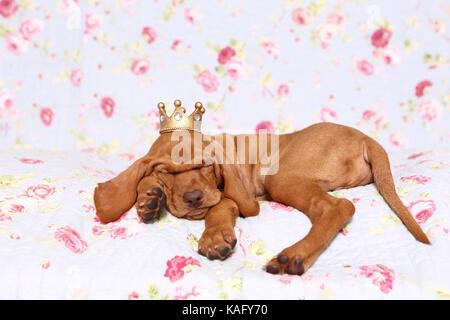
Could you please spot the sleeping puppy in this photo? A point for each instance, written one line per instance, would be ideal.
(309, 163)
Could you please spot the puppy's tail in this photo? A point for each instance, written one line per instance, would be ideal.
(379, 161)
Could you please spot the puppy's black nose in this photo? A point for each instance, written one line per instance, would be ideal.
(193, 198)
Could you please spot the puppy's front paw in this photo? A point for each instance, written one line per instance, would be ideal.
(217, 242)
(150, 204)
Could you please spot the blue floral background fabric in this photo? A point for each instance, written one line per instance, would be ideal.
(79, 87)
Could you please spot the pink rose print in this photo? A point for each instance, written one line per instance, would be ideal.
(381, 123)
(419, 179)
(31, 27)
(271, 48)
(107, 105)
(235, 69)
(218, 118)
(335, 18)
(326, 31)
(134, 296)
(421, 87)
(226, 54)
(71, 239)
(177, 45)
(368, 114)
(153, 116)
(280, 206)
(398, 140)
(16, 208)
(265, 127)
(7, 99)
(40, 191)
(8, 8)
(179, 295)
(140, 66)
(380, 38)
(283, 90)
(301, 16)
(430, 110)
(422, 210)
(365, 67)
(75, 77)
(92, 21)
(30, 161)
(390, 55)
(208, 81)
(175, 267)
(46, 115)
(382, 276)
(192, 15)
(328, 115)
(150, 34)
(16, 44)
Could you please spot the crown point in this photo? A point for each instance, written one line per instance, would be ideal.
(161, 105)
(198, 105)
(177, 103)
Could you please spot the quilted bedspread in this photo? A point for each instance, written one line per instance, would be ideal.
(53, 246)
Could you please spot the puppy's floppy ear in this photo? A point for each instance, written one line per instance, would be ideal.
(116, 196)
(240, 189)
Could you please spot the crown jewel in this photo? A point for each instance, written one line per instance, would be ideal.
(178, 120)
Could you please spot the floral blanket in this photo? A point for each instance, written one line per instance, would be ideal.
(53, 246)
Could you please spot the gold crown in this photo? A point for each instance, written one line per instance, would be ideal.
(178, 120)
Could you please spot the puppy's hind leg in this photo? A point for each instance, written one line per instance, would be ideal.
(327, 214)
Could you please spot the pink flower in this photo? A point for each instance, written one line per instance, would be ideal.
(17, 208)
(390, 55)
(226, 54)
(97, 230)
(46, 115)
(438, 27)
(153, 116)
(175, 267)
(150, 34)
(301, 16)
(31, 27)
(8, 8)
(177, 45)
(271, 48)
(422, 210)
(218, 118)
(71, 239)
(382, 276)
(134, 296)
(118, 232)
(328, 115)
(430, 109)
(140, 66)
(381, 37)
(398, 140)
(235, 69)
(108, 105)
(16, 43)
(75, 77)
(265, 127)
(92, 21)
(335, 18)
(30, 161)
(208, 81)
(365, 67)
(192, 15)
(419, 179)
(326, 31)
(283, 90)
(279, 206)
(40, 191)
(368, 114)
(421, 87)
(381, 123)
(7, 99)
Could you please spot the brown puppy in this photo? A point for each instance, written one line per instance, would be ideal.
(320, 158)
